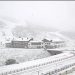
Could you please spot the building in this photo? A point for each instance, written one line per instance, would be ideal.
(50, 44)
(58, 44)
(8, 45)
(39, 44)
(30, 43)
(18, 43)
(46, 43)
(2, 45)
(35, 44)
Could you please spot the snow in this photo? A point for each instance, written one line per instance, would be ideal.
(41, 62)
(21, 55)
(59, 65)
(73, 73)
(20, 39)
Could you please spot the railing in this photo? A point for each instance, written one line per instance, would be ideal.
(65, 69)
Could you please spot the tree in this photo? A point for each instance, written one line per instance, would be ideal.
(10, 61)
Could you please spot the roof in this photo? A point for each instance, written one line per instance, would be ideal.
(20, 39)
(35, 41)
(58, 41)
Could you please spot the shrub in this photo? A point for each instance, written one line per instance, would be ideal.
(10, 61)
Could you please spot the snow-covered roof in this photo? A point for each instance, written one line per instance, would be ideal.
(58, 41)
(35, 41)
(20, 39)
(7, 41)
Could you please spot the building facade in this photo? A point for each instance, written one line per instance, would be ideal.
(35, 44)
(48, 44)
(17, 44)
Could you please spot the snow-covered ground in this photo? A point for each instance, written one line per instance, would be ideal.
(21, 55)
(73, 73)
(58, 65)
(45, 68)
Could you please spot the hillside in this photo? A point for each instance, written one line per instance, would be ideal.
(22, 55)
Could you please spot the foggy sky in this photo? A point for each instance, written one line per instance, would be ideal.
(59, 15)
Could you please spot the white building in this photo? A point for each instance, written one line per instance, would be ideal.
(35, 44)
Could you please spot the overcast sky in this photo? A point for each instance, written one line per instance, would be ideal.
(58, 15)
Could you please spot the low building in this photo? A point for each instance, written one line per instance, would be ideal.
(58, 44)
(19, 44)
(8, 45)
(30, 43)
(46, 43)
(2, 45)
(35, 44)
(39, 44)
(53, 44)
